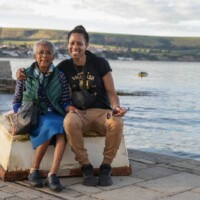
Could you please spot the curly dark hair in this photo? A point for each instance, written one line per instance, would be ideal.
(79, 29)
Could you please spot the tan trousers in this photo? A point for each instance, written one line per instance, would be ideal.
(93, 120)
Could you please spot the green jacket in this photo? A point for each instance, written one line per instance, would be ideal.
(52, 88)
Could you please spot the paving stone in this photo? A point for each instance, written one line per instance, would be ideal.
(194, 171)
(197, 190)
(23, 187)
(70, 180)
(16, 198)
(25, 183)
(121, 181)
(11, 189)
(2, 184)
(49, 197)
(184, 196)
(129, 192)
(85, 189)
(173, 167)
(138, 166)
(153, 172)
(43, 193)
(68, 198)
(187, 165)
(70, 193)
(65, 194)
(143, 161)
(173, 184)
(41, 198)
(154, 177)
(4, 195)
(27, 195)
(40, 191)
(86, 197)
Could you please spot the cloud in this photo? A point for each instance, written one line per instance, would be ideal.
(157, 17)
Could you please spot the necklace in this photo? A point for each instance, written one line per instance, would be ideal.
(79, 69)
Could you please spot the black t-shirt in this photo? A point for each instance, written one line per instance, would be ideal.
(96, 68)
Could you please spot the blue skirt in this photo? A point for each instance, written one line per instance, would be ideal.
(49, 124)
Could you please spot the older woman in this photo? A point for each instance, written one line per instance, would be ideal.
(101, 112)
(47, 85)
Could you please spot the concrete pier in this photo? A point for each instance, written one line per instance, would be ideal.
(154, 177)
(7, 83)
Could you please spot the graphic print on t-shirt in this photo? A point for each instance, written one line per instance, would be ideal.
(78, 82)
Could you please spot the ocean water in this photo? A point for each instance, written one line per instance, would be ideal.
(164, 115)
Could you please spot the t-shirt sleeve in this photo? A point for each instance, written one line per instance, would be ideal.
(61, 65)
(103, 66)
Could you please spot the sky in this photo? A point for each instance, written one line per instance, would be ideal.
(135, 17)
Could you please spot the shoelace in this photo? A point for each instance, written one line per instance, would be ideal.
(105, 170)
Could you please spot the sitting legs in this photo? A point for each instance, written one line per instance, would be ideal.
(33, 177)
(73, 128)
(94, 120)
(52, 180)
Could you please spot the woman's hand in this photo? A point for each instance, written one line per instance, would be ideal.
(119, 111)
(13, 130)
(72, 109)
(20, 75)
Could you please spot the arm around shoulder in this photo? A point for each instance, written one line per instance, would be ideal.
(20, 75)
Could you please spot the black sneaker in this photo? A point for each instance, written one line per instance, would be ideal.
(88, 175)
(53, 183)
(105, 175)
(34, 179)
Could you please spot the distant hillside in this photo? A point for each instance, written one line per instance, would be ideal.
(31, 34)
(115, 45)
(132, 41)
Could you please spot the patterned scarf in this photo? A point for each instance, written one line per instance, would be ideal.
(39, 75)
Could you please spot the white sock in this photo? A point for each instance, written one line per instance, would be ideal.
(32, 169)
(49, 174)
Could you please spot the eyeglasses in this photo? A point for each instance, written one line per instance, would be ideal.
(47, 53)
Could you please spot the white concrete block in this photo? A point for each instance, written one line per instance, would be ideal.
(16, 154)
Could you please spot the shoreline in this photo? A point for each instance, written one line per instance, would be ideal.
(171, 160)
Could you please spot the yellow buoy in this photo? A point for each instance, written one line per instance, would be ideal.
(143, 74)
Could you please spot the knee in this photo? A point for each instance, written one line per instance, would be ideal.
(72, 122)
(116, 123)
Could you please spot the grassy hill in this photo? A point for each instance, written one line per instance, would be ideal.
(30, 34)
(24, 34)
(114, 45)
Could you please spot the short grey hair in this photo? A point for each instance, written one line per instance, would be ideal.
(43, 42)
